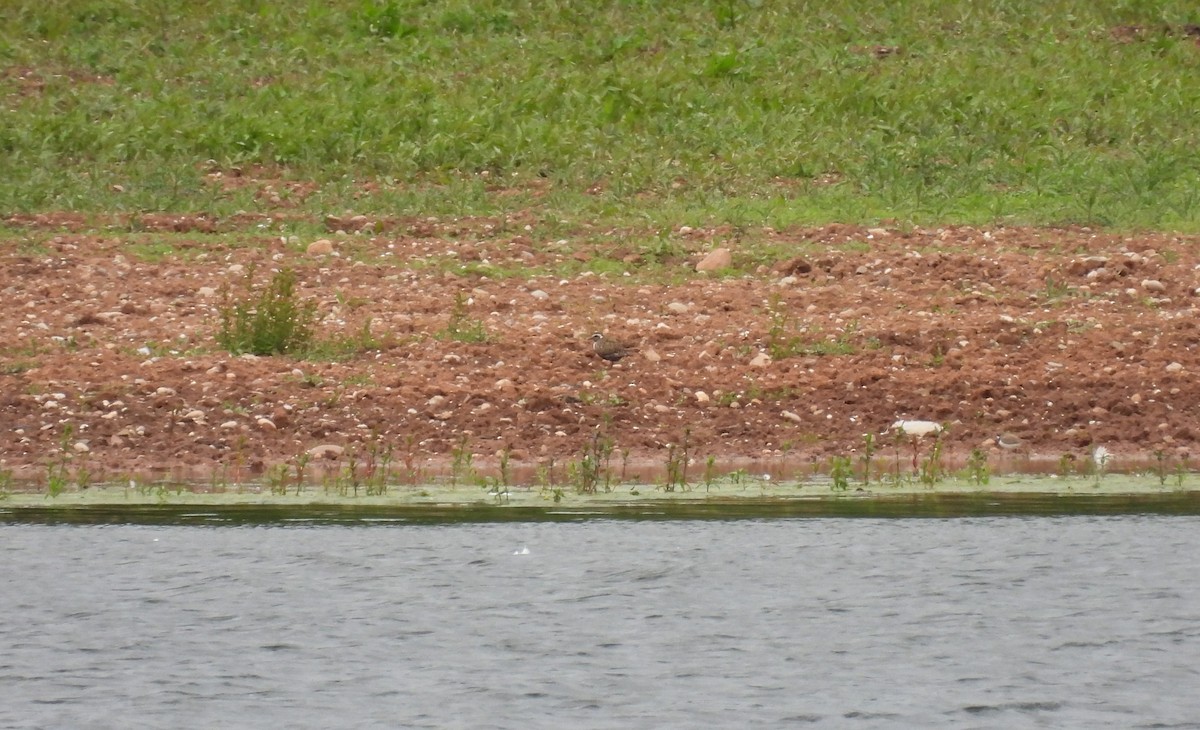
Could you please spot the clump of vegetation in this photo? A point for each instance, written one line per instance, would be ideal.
(932, 469)
(841, 469)
(273, 322)
(58, 471)
(868, 455)
(593, 467)
(677, 464)
(462, 327)
(977, 467)
(462, 464)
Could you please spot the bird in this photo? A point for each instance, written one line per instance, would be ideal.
(1100, 457)
(610, 350)
(1009, 441)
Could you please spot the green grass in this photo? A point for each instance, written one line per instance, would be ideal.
(741, 112)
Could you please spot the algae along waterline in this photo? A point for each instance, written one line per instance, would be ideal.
(431, 504)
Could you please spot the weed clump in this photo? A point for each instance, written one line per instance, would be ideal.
(275, 322)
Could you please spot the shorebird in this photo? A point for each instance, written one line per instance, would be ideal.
(610, 350)
(1009, 441)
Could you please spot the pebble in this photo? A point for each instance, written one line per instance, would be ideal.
(1153, 285)
(265, 424)
(761, 360)
(80, 447)
(1174, 367)
(717, 259)
(701, 396)
(539, 295)
(320, 247)
(677, 308)
(326, 451)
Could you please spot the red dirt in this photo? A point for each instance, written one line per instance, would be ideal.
(1005, 330)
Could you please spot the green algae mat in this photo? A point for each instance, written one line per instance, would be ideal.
(1011, 495)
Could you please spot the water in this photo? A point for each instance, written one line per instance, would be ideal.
(991, 622)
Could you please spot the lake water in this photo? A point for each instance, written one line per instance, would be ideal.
(990, 622)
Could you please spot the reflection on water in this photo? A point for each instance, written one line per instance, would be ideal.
(1067, 621)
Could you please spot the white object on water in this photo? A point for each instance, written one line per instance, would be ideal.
(1101, 456)
(917, 428)
(523, 551)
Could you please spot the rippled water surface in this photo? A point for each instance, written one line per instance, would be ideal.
(991, 622)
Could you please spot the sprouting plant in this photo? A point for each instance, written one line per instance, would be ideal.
(461, 327)
(461, 466)
(1065, 462)
(898, 436)
(593, 465)
(1100, 459)
(1160, 466)
(739, 477)
(932, 470)
(505, 456)
(301, 464)
(677, 463)
(710, 472)
(277, 479)
(1180, 472)
(977, 467)
(867, 454)
(274, 322)
(780, 343)
(378, 467)
(841, 469)
(58, 470)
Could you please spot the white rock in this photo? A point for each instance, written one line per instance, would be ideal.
(539, 295)
(677, 308)
(791, 416)
(1153, 285)
(917, 428)
(1174, 367)
(165, 391)
(761, 360)
(265, 424)
(701, 396)
(207, 292)
(80, 447)
(228, 425)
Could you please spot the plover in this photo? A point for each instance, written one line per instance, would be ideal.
(610, 350)
(1009, 441)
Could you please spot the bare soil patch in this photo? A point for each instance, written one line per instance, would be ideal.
(1066, 338)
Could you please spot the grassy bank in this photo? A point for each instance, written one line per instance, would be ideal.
(727, 111)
